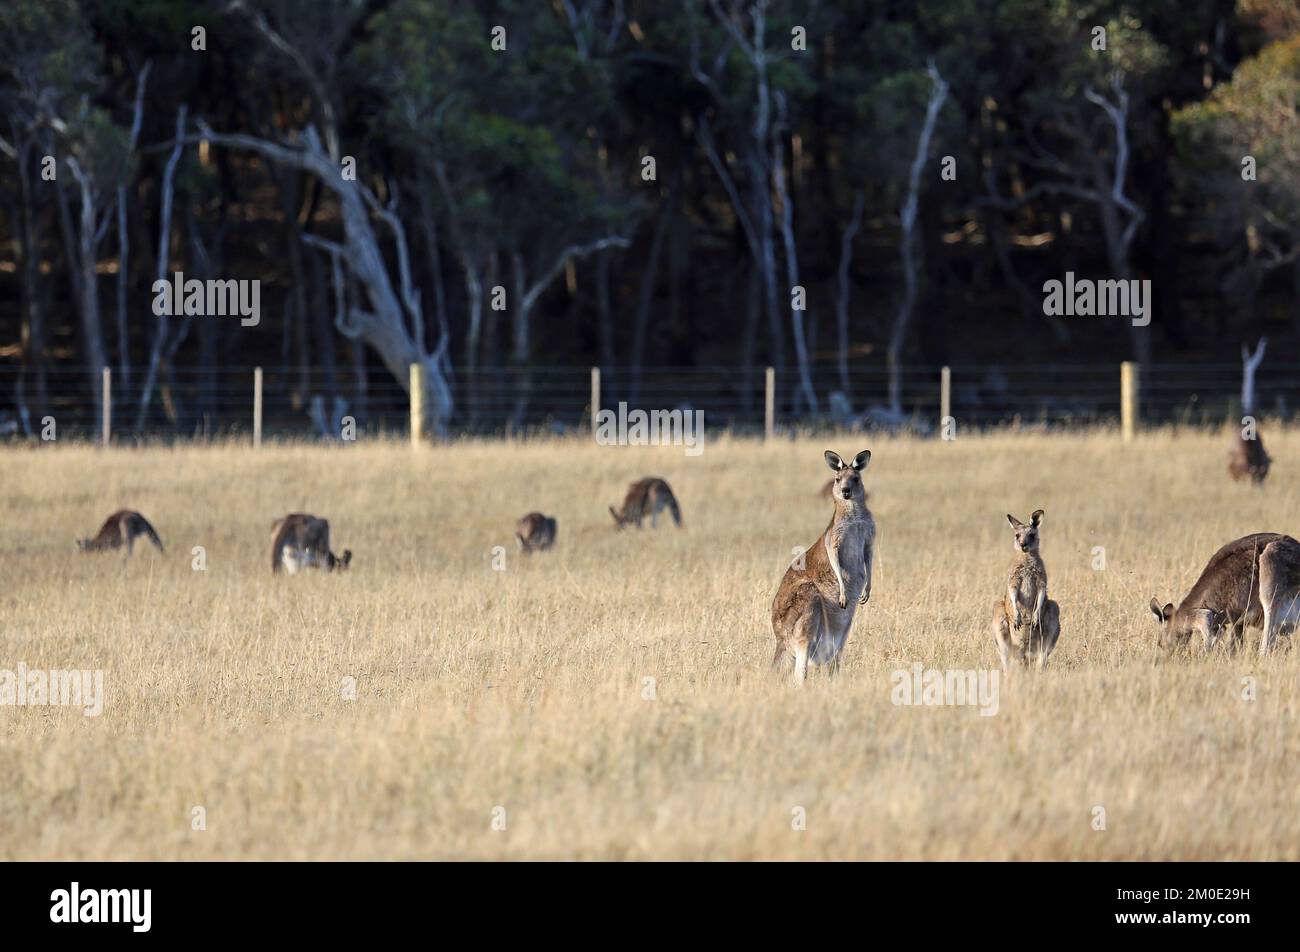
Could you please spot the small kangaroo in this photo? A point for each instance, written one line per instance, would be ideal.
(813, 609)
(121, 528)
(1252, 582)
(302, 541)
(647, 497)
(1248, 459)
(535, 533)
(1026, 623)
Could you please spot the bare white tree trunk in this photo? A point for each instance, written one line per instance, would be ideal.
(164, 258)
(1120, 216)
(842, 302)
(92, 331)
(908, 242)
(791, 254)
(525, 299)
(1249, 364)
(394, 323)
(124, 240)
(756, 220)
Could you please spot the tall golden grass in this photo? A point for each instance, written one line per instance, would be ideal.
(521, 698)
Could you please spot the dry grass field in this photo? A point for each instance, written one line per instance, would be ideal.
(525, 689)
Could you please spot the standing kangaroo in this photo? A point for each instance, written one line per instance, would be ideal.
(647, 497)
(119, 529)
(814, 605)
(302, 541)
(1026, 623)
(535, 533)
(1251, 582)
(1248, 459)
(1247, 456)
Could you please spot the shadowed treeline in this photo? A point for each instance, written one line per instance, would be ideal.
(835, 189)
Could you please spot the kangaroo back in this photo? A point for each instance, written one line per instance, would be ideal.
(670, 500)
(138, 525)
(1247, 459)
(307, 538)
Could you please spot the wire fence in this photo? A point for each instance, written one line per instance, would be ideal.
(302, 402)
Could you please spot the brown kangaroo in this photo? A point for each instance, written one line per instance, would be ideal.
(1026, 623)
(1248, 459)
(302, 541)
(814, 606)
(647, 497)
(535, 533)
(121, 528)
(1252, 582)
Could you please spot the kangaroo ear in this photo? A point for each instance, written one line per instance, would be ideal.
(833, 460)
(1014, 522)
(1162, 614)
(861, 460)
(1037, 518)
(615, 515)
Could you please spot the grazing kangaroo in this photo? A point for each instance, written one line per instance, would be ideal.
(1026, 623)
(1252, 582)
(121, 528)
(1248, 459)
(535, 532)
(814, 605)
(302, 541)
(647, 497)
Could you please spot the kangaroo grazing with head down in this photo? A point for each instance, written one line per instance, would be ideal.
(1026, 623)
(302, 541)
(535, 533)
(1252, 582)
(119, 529)
(647, 497)
(814, 605)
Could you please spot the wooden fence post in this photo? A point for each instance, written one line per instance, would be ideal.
(417, 405)
(1129, 382)
(257, 407)
(945, 397)
(769, 405)
(106, 424)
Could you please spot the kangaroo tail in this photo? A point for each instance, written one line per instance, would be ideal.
(675, 509)
(149, 531)
(278, 543)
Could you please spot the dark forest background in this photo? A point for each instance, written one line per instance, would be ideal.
(527, 169)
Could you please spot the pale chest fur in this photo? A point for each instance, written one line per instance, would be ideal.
(847, 540)
(1027, 579)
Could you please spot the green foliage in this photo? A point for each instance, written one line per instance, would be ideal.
(517, 131)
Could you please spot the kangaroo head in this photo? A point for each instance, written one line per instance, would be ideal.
(342, 563)
(848, 476)
(1177, 628)
(1026, 536)
(619, 521)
